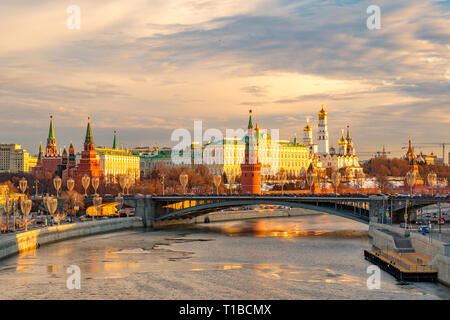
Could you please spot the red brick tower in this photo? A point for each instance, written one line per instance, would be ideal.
(89, 164)
(48, 162)
(251, 168)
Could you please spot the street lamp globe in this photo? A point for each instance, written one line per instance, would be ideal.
(411, 179)
(57, 184)
(85, 181)
(70, 184)
(432, 179)
(23, 184)
(184, 178)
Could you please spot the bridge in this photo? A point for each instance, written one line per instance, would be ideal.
(356, 207)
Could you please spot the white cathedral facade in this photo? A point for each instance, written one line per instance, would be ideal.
(326, 156)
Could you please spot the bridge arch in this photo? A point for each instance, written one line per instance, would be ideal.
(202, 209)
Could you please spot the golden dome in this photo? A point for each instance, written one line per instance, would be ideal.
(342, 141)
(307, 128)
(322, 113)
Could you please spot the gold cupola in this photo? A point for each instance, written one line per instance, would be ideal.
(342, 141)
(322, 113)
(307, 127)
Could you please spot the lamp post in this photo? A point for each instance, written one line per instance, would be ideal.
(336, 180)
(95, 184)
(310, 178)
(432, 178)
(52, 204)
(283, 178)
(162, 179)
(119, 199)
(360, 177)
(70, 185)
(184, 178)
(217, 179)
(97, 203)
(231, 178)
(25, 206)
(85, 181)
(36, 186)
(411, 180)
(8, 207)
(57, 184)
(23, 184)
(124, 181)
(302, 178)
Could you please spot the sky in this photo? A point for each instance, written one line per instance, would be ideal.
(148, 67)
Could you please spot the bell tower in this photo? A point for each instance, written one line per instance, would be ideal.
(323, 146)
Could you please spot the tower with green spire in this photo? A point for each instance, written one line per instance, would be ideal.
(115, 140)
(51, 150)
(89, 140)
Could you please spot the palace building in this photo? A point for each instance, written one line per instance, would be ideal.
(227, 155)
(116, 162)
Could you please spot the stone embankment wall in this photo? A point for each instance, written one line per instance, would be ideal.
(21, 242)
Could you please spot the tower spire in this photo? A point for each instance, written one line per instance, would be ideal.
(41, 152)
(250, 122)
(51, 149)
(89, 139)
(115, 140)
(51, 131)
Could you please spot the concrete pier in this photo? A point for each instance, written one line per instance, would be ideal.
(393, 238)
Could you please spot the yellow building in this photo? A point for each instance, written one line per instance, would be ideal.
(14, 159)
(106, 209)
(275, 155)
(116, 162)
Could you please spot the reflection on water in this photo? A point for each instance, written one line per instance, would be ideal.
(284, 228)
(315, 257)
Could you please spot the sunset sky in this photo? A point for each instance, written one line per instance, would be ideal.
(148, 67)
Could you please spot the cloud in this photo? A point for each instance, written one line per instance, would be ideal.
(148, 67)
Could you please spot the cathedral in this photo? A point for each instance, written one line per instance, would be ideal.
(324, 156)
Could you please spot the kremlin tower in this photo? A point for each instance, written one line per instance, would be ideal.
(48, 163)
(51, 150)
(89, 163)
(251, 168)
(323, 147)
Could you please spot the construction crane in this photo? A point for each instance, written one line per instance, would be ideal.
(428, 144)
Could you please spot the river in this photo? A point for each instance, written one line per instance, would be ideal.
(310, 257)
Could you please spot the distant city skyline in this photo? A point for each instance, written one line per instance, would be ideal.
(146, 68)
